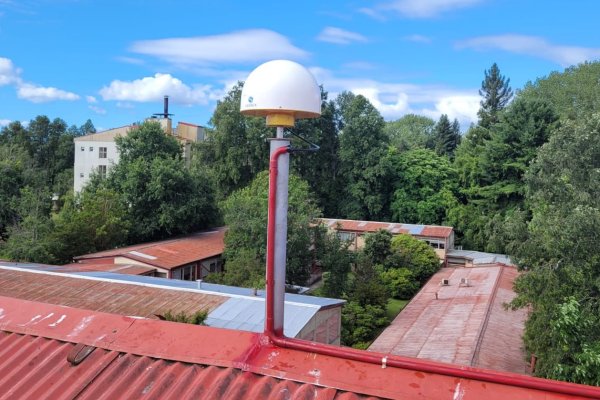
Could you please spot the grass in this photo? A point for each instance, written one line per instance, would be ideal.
(394, 306)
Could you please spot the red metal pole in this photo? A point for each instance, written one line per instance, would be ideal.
(384, 360)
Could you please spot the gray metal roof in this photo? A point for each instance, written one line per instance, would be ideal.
(480, 257)
(249, 315)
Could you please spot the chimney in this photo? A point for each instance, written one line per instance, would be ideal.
(166, 107)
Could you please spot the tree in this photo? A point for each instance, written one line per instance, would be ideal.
(245, 213)
(16, 169)
(559, 256)
(410, 132)
(496, 93)
(27, 239)
(335, 258)
(360, 323)
(362, 150)
(87, 223)
(163, 197)
(496, 190)
(401, 282)
(237, 148)
(573, 93)
(416, 255)
(320, 169)
(425, 187)
(378, 246)
(446, 136)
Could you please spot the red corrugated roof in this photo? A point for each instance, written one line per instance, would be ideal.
(466, 325)
(169, 254)
(106, 296)
(100, 265)
(52, 352)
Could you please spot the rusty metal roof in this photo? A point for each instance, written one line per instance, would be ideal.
(54, 352)
(467, 323)
(101, 295)
(168, 254)
(144, 296)
(394, 228)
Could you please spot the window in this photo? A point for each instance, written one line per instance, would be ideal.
(186, 273)
(102, 152)
(81, 174)
(91, 148)
(82, 148)
(346, 236)
(102, 171)
(213, 267)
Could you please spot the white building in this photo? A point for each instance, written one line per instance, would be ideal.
(97, 153)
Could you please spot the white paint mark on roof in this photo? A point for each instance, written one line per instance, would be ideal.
(58, 321)
(146, 256)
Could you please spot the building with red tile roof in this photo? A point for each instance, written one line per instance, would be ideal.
(459, 317)
(188, 257)
(441, 238)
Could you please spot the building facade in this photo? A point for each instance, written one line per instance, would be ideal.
(97, 153)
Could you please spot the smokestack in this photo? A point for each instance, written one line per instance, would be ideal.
(166, 108)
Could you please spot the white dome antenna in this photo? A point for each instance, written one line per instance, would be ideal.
(282, 91)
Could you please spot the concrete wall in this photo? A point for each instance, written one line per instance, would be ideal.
(324, 327)
(87, 160)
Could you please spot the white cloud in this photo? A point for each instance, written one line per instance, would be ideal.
(534, 46)
(393, 100)
(91, 99)
(236, 47)
(418, 38)
(9, 74)
(153, 88)
(418, 8)
(41, 94)
(340, 36)
(97, 110)
(4, 122)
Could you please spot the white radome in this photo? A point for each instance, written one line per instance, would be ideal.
(281, 87)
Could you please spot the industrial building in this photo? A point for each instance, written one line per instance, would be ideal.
(97, 153)
(441, 238)
(189, 257)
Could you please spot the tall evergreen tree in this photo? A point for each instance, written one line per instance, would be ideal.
(446, 136)
(496, 93)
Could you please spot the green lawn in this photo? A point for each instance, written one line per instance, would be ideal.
(394, 307)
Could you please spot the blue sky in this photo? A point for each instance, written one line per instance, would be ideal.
(112, 61)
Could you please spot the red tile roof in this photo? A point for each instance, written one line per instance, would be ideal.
(106, 296)
(392, 227)
(55, 352)
(169, 254)
(466, 325)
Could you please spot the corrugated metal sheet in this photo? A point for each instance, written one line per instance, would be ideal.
(54, 352)
(461, 326)
(373, 226)
(172, 253)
